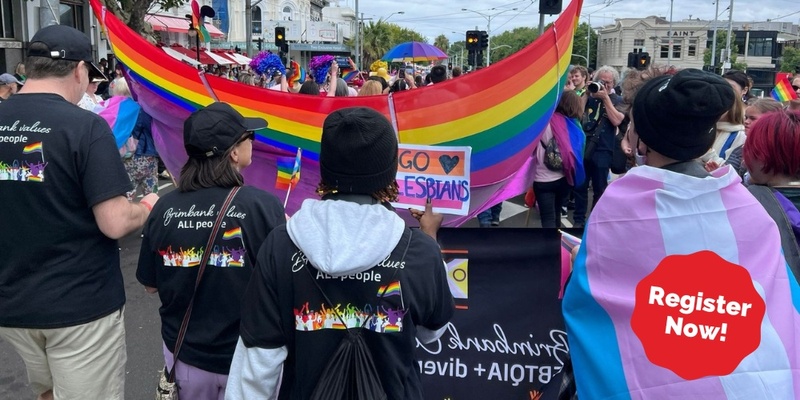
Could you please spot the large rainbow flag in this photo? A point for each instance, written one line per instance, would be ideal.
(499, 111)
(680, 291)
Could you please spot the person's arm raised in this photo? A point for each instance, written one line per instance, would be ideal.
(116, 217)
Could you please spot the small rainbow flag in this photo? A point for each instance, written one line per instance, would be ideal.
(783, 90)
(288, 171)
(34, 178)
(232, 234)
(392, 289)
(235, 263)
(33, 148)
(392, 328)
(298, 73)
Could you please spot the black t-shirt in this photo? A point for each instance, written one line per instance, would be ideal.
(595, 121)
(174, 239)
(283, 307)
(56, 162)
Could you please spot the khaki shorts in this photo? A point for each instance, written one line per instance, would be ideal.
(78, 362)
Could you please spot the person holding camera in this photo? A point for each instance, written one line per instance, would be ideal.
(600, 121)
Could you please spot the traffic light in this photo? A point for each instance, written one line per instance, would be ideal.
(632, 57)
(642, 61)
(484, 40)
(280, 37)
(473, 37)
(550, 7)
(260, 40)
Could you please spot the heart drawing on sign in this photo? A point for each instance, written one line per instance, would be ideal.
(448, 163)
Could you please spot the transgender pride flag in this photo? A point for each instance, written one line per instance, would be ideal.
(644, 217)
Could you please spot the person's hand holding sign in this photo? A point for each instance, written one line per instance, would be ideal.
(429, 221)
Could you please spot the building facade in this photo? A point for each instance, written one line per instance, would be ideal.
(683, 44)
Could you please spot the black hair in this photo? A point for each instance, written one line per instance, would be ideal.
(438, 74)
(309, 87)
(398, 85)
(217, 171)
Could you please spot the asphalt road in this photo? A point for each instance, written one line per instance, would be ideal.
(142, 322)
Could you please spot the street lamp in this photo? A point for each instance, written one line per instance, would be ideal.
(192, 32)
(390, 15)
(489, 28)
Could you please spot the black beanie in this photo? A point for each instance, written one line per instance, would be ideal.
(358, 151)
(676, 115)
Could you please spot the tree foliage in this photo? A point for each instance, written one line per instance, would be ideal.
(722, 41)
(442, 42)
(380, 37)
(515, 39)
(132, 12)
(791, 59)
(579, 44)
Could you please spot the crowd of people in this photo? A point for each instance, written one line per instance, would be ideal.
(300, 291)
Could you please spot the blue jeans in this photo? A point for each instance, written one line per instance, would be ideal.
(596, 169)
(486, 217)
(550, 196)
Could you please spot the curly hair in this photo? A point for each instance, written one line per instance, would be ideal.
(635, 79)
(385, 195)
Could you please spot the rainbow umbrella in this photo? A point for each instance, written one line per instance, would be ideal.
(414, 52)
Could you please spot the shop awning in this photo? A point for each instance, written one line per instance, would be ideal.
(241, 59)
(177, 24)
(192, 53)
(220, 58)
(179, 56)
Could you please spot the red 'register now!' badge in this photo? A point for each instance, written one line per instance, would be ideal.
(698, 315)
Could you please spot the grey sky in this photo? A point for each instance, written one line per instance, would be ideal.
(434, 17)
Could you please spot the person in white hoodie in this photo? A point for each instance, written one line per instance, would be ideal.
(380, 277)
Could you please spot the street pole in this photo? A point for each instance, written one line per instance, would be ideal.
(541, 24)
(730, 30)
(358, 38)
(489, 40)
(669, 34)
(714, 40)
(248, 27)
(588, 42)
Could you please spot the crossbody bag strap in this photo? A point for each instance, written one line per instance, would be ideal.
(203, 262)
(330, 303)
(727, 144)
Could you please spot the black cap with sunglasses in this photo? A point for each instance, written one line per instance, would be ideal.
(212, 130)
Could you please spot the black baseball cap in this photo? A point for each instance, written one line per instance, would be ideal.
(65, 43)
(212, 130)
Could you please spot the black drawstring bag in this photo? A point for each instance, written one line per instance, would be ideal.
(350, 373)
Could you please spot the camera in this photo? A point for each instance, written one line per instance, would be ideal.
(594, 87)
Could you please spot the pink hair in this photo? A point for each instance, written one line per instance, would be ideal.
(774, 141)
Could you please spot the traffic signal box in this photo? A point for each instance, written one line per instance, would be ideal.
(473, 40)
(638, 60)
(280, 39)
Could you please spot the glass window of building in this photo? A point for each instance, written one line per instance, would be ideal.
(691, 50)
(71, 14)
(677, 46)
(664, 48)
(7, 19)
(256, 19)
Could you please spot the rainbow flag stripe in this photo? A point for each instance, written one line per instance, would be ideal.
(232, 234)
(783, 91)
(392, 289)
(499, 111)
(32, 148)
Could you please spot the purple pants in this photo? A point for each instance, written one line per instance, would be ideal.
(195, 383)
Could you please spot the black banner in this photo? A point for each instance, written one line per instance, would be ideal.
(507, 338)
